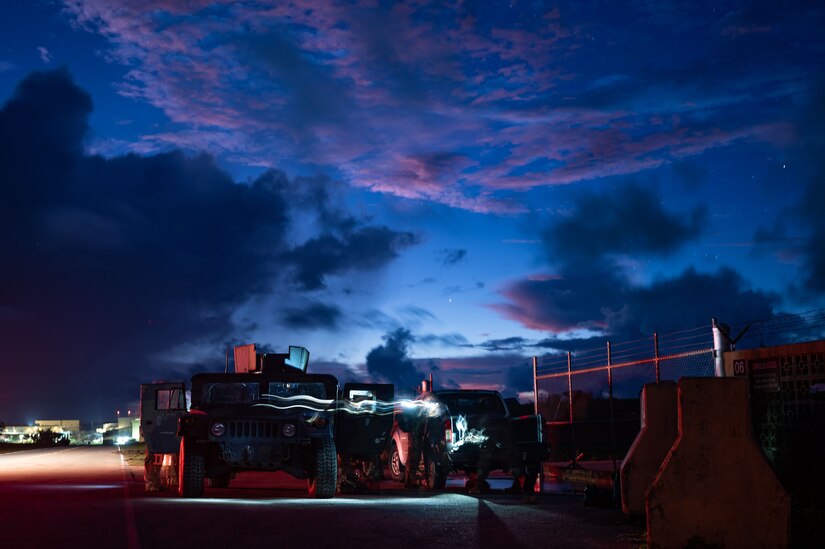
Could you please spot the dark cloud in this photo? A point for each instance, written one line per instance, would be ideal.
(313, 316)
(624, 311)
(580, 297)
(591, 291)
(365, 248)
(390, 362)
(506, 344)
(447, 340)
(344, 243)
(627, 219)
(452, 256)
(42, 128)
(116, 268)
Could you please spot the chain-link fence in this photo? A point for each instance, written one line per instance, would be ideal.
(590, 399)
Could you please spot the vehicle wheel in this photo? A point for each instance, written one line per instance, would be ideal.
(220, 481)
(324, 479)
(436, 476)
(396, 467)
(191, 469)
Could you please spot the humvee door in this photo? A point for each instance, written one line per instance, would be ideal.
(364, 419)
(161, 404)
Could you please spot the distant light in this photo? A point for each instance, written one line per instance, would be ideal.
(120, 441)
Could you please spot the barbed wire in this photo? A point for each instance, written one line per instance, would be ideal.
(780, 329)
(680, 353)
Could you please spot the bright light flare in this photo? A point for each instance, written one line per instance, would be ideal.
(361, 407)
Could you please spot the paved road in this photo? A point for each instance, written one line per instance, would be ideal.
(88, 497)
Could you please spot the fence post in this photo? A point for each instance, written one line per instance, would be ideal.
(656, 354)
(575, 453)
(612, 418)
(721, 345)
(540, 479)
(569, 389)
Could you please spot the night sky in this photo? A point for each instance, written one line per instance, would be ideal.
(403, 188)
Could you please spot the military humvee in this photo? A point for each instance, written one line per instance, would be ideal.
(270, 415)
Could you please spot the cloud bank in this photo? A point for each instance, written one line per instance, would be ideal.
(479, 99)
(111, 264)
(591, 288)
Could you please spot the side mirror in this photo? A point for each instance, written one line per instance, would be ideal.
(298, 358)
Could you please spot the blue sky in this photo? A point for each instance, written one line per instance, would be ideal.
(401, 187)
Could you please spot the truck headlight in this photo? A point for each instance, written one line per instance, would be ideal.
(218, 429)
(288, 429)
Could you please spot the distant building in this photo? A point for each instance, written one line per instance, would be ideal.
(126, 429)
(68, 427)
(17, 433)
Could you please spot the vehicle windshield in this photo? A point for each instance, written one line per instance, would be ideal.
(230, 393)
(280, 389)
(250, 392)
(472, 405)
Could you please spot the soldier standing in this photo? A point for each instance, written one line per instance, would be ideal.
(422, 421)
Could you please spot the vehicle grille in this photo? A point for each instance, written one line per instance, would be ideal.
(252, 429)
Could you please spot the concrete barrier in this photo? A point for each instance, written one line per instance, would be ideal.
(656, 437)
(715, 487)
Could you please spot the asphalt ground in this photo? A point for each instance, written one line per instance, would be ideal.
(92, 497)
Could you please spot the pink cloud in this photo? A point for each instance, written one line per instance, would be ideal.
(407, 88)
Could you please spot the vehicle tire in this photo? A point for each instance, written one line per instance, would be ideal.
(220, 481)
(324, 479)
(436, 475)
(395, 465)
(191, 469)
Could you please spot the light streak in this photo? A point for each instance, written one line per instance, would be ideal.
(302, 402)
(299, 397)
(467, 436)
(431, 407)
(367, 407)
(311, 408)
(461, 427)
(361, 407)
(473, 436)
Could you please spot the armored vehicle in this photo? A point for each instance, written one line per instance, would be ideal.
(270, 415)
